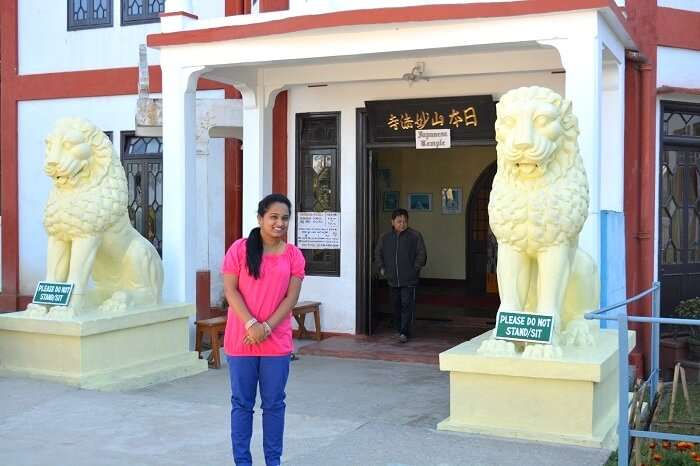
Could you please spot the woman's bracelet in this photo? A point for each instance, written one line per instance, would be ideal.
(268, 329)
(250, 323)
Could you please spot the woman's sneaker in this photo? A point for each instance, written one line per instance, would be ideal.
(403, 338)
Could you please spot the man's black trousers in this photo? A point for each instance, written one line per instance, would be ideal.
(403, 300)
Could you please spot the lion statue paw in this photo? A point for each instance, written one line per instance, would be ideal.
(493, 347)
(538, 351)
(62, 312)
(36, 310)
(117, 303)
(580, 332)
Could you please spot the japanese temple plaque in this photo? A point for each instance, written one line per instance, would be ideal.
(468, 118)
(433, 139)
(318, 230)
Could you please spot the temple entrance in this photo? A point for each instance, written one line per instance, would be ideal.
(444, 184)
(445, 192)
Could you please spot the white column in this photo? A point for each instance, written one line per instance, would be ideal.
(257, 153)
(179, 182)
(582, 60)
(202, 191)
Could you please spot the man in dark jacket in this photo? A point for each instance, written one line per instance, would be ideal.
(400, 254)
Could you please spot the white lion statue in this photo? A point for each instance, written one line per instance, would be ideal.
(90, 234)
(538, 205)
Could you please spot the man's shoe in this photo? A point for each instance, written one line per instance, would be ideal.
(403, 338)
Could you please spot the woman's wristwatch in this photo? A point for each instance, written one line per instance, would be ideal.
(250, 323)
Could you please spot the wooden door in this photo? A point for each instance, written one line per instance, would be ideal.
(479, 245)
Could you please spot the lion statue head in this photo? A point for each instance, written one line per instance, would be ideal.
(89, 191)
(77, 152)
(535, 133)
(540, 192)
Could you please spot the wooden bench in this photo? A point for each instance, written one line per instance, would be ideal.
(212, 327)
(299, 312)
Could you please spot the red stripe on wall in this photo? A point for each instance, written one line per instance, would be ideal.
(279, 144)
(8, 156)
(234, 7)
(93, 83)
(678, 28)
(376, 16)
(273, 5)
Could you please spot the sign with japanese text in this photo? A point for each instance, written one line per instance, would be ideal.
(53, 294)
(467, 118)
(318, 230)
(523, 326)
(433, 139)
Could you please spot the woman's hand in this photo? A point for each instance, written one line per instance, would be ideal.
(255, 334)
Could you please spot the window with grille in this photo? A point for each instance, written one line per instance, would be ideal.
(141, 11)
(142, 159)
(318, 180)
(679, 204)
(89, 14)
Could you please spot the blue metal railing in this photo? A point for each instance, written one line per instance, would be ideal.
(623, 429)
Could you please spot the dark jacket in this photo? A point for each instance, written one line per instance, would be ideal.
(401, 256)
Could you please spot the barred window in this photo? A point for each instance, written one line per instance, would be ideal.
(142, 159)
(89, 14)
(141, 11)
(318, 180)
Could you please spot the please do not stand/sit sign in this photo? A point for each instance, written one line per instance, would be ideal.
(53, 293)
(524, 326)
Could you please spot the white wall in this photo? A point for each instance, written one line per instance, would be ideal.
(46, 45)
(36, 119)
(338, 294)
(324, 5)
(678, 67)
(692, 5)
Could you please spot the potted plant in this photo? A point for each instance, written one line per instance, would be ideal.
(690, 309)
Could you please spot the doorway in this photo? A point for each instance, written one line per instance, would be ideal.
(446, 194)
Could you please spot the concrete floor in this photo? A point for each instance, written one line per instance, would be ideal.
(339, 412)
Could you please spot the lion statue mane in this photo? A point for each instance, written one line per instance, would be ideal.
(90, 234)
(538, 205)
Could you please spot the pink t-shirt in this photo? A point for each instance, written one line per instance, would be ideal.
(262, 297)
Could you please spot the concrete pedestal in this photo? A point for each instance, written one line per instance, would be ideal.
(101, 351)
(572, 400)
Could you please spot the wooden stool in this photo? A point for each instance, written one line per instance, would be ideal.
(299, 312)
(213, 327)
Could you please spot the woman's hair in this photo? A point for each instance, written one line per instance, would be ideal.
(254, 245)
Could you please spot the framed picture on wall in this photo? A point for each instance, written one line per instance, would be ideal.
(420, 202)
(451, 200)
(390, 200)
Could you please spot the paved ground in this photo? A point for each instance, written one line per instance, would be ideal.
(341, 412)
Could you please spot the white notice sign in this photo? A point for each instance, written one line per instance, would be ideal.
(318, 230)
(433, 139)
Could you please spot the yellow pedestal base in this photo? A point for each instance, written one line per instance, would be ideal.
(101, 351)
(572, 400)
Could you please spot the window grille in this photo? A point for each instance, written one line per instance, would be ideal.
(141, 11)
(142, 159)
(318, 180)
(89, 14)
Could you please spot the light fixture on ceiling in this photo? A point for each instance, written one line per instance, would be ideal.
(416, 73)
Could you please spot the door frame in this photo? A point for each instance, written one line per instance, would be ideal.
(363, 209)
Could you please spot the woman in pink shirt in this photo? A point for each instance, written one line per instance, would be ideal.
(262, 280)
